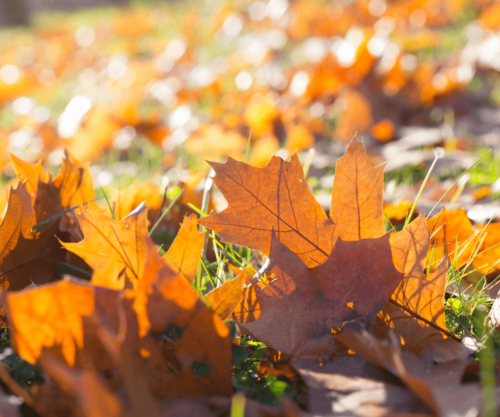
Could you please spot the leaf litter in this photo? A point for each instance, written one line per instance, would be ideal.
(351, 315)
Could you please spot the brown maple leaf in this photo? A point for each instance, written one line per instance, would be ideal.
(94, 397)
(301, 306)
(350, 385)
(26, 257)
(72, 187)
(419, 295)
(277, 197)
(437, 385)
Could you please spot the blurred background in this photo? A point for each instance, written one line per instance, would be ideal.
(148, 90)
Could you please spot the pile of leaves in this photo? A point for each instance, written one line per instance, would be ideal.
(342, 317)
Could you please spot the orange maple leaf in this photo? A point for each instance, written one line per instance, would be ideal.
(277, 197)
(116, 250)
(183, 256)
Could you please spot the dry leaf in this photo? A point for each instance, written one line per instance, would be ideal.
(419, 293)
(225, 298)
(300, 307)
(437, 386)
(275, 196)
(350, 385)
(357, 197)
(451, 231)
(26, 257)
(183, 256)
(115, 250)
(31, 172)
(95, 398)
(131, 197)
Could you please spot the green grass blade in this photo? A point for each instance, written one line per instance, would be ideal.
(387, 218)
(73, 267)
(207, 272)
(248, 146)
(488, 377)
(109, 204)
(62, 213)
(458, 179)
(307, 164)
(165, 213)
(238, 405)
(421, 190)
(197, 210)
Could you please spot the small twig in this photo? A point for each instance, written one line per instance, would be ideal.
(262, 270)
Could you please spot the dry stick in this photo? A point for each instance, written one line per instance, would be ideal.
(430, 323)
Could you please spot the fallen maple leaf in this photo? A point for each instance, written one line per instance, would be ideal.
(72, 187)
(115, 250)
(437, 386)
(277, 197)
(26, 257)
(183, 256)
(73, 184)
(300, 307)
(70, 318)
(132, 196)
(50, 317)
(357, 196)
(225, 298)
(418, 296)
(152, 311)
(487, 258)
(350, 385)
(451, 232)
(94, 397)
(28, 171)
(164, 299)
